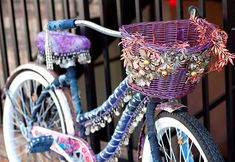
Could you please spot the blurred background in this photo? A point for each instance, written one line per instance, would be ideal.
(211, 102)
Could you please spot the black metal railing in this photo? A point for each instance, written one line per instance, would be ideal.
(112, 13)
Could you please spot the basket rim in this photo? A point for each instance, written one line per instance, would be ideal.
(192, 49)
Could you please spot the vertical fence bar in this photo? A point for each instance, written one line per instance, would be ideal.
(229, 114)
(202, 8)
(103, 22)
(83, 8)
(51, 10)
(120, 19)
(138, 10)
(180, 15)
(38, 15)
(179, 9)
(1, 111)
(158, 10)
(26, 26)
(119, 4)
(205, 88)
(228, 21)
(13, 32)
(66, 9)
(3, 47)
(3, 57)
(205, 102)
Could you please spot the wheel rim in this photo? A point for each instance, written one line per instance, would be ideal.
(170, 147)
(23, 91)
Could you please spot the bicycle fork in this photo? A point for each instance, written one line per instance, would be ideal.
(152, 133)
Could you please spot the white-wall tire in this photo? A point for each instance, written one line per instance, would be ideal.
(15, 143)
(203, 147)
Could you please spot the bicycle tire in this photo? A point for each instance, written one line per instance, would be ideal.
(192, 128)
(18, 102)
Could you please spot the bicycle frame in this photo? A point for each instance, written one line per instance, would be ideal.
(158, 66)
(133, 113)
(94, 120)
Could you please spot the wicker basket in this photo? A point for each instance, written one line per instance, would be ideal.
(156, 34)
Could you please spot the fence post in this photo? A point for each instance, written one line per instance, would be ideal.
(83, 8)
(229, 24)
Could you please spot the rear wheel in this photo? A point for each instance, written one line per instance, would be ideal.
(182, 138)
(22, 92)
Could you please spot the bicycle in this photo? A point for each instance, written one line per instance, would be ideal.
(40, 115)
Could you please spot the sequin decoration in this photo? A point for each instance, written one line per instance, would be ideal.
(137, 116)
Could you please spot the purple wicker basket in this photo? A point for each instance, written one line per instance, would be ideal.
(163, 37)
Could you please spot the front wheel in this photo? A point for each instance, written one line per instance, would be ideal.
(182, 138)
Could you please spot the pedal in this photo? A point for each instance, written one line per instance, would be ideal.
(40, 144)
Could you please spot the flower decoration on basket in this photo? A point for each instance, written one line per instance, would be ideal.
(156, 50)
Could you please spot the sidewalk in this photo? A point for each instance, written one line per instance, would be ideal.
(3, 157)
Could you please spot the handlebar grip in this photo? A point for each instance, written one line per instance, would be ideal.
(61, 24)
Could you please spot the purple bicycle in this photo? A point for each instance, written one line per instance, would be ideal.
(43, 116)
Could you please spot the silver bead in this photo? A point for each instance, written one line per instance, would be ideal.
(126, 141)
(144, 109)
(102, 124)
(87, 132)
(96, 128)
(109, 119)
(117, 113)
(92, 129)
(127, 98)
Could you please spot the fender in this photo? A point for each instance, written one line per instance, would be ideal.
(48, 75)
(170, 106)
(165, 106)
(29, 66)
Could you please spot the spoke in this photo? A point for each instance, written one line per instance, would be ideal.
(23, 99)
(44, 155)
(17, 138)
(200, 157)
(16, 124)
(29, 87)
(21, 144)
(165, 153)
(34, 91)
(169, 141)
(16, 106)
(16, 130)
(54, 123)
(22, 153)
(42, 108)
(189, 151)
(15, 121)
(35, 86)
(47, 109)
(180, 152)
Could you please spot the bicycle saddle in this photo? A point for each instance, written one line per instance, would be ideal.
(65, 47)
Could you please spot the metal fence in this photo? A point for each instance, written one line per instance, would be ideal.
(20, 20)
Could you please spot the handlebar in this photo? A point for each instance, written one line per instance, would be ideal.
(74, 23)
